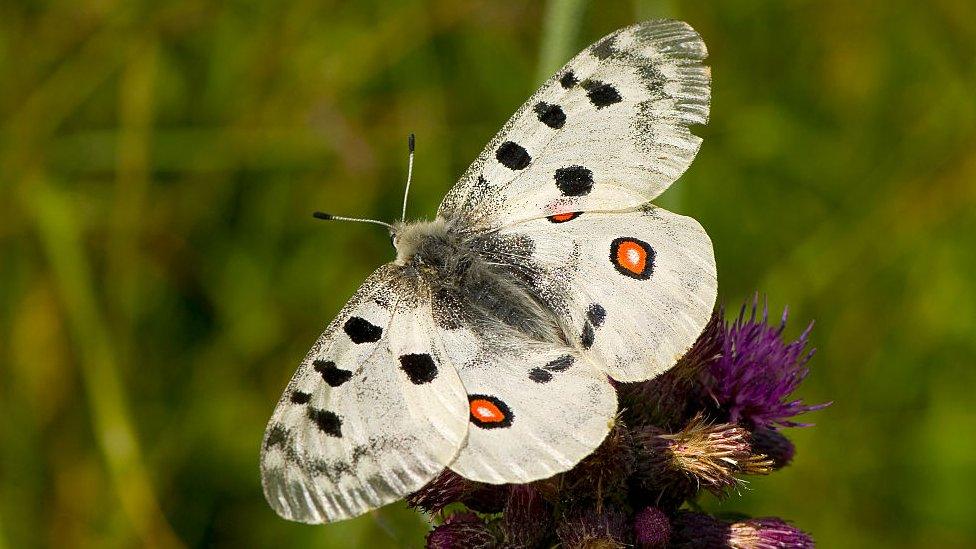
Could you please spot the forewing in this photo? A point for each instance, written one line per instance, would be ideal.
(609, 131)
(536, 409)
(374, 412)
(634, 289)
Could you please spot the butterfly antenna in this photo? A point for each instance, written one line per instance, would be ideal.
(411, 141)
(329, 217)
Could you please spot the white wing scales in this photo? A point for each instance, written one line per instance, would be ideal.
(373, 413)
(639, 285)
(609, 131)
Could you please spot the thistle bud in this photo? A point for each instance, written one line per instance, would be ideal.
(593, 529)
(773, 444)
(604, 473)
(486, 498)
(446, 488)
(462, 531)
(527, 521)
(698, 530)
(767, 533)
(700, 454)
(450, 487)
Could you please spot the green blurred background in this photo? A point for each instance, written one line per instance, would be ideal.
(161, 278)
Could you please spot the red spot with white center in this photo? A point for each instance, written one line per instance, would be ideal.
(489, 412)
(632, 257)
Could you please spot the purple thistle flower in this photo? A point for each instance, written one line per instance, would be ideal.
(652, 529)
(757, 371)
(462, 531)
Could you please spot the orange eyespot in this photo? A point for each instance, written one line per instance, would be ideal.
(486, 411)
(632, 257)
(489, 412)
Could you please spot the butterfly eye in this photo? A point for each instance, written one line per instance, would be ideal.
(393, 239)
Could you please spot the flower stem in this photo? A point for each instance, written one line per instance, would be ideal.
(560, 27)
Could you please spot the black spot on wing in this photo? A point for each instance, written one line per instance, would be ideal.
(361, 330)
(326, 421)
(653, 80)
(601, 94)
(330, 373)
(513, 156)
(550, 115)
(334, 470)
(420, 368)
(574, 180)
(604, 48)
(568, 80)
(277, 436)
(539, 375)
(596, 314)
(587, 337)
(560, 364)
(300, 397)
(544, 374)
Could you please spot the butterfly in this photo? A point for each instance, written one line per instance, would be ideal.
(488, 345)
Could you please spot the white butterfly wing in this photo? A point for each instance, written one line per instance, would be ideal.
(373, 413)
(609, 131)
(536, 409)
(637, 287)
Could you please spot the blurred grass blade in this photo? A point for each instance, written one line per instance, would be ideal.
(59, 235)
(560, 27)
(132, 175)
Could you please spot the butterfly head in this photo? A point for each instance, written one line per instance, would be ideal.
(397, 231)
(417, 239)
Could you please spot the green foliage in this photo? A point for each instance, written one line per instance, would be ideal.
(161, 277)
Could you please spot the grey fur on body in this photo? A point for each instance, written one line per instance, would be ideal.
(487, 276)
